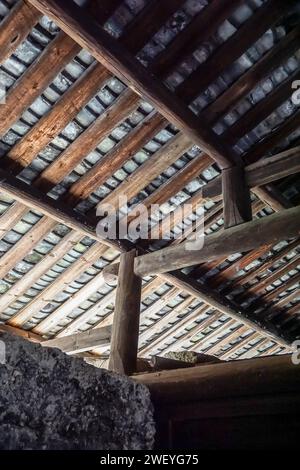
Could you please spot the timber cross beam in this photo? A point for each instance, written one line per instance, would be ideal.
(241, 238)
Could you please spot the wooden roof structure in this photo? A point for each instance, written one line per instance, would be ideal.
(152, 100)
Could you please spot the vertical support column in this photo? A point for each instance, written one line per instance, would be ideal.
(125, 331)
(236, 197)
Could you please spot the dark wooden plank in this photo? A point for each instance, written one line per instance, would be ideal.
(271, 196)
(15, 28)
(261, 110)
(197, 31)
(248, 33)
(119, 61)
(268, 280)
(145, 24)
(272, 59)
(259, 149)
(125, 331)
(263, 172)
(264, 231)
(102, 10)
(236, 197)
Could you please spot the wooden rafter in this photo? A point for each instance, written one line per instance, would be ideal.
(117, 59)
(15, 27)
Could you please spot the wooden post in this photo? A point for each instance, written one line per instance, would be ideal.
(236, 197)
(125, 331)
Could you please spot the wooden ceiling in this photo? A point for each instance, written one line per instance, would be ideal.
(178, 90)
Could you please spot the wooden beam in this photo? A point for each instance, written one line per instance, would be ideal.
(272, 276)
(125, 332)
(82, 91)
(56, 210)
(81, 27)
(11, 216)
(238, 345)
(22, 333)
(262, 172)
(268, 263)
(15, 28)
(103, 9)
(236, 197)
(165, 363)
(245, 237)
(208, 296)
(225, 379)
(81, 342)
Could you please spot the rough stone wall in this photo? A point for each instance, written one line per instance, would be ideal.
(49, 400)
